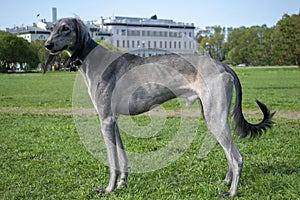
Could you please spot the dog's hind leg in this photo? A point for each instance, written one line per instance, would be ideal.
(216, 105)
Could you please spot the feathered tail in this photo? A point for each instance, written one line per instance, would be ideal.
(242, 127)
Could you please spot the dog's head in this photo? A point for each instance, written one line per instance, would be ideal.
(66, 34)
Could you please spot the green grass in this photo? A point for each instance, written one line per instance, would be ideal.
(42, 156)
(278, 88)
(51, 90)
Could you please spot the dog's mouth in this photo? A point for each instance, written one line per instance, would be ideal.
(52, 55)
(55, 52)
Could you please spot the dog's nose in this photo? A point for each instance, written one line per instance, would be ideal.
(49, 45)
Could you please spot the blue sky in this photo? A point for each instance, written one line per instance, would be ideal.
(227, 13)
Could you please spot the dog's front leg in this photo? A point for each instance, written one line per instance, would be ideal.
(123, 160)
(108, 131)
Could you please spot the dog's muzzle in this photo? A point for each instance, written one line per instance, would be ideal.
(49, 46)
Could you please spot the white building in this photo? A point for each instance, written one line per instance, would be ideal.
(97, 33)
(30, 33)
(146, 37)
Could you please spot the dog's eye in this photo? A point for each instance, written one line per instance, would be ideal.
(65, 28)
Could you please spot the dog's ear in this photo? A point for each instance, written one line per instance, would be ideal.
(79, 32)
(81, 37)
(77, 27)
(49, 59)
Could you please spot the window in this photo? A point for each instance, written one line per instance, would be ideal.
(138, 44)
(179, 45)
(166, 44)
(154, 44)
(161, 44)
(132, 43)
(123, 45)
(174, 44)
(127, 43)
(149, 44)
(118, 43)
(123, 32)
(170, 45)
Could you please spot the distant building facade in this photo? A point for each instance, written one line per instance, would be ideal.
(30, 33)
(141, 36)
(97, 33)
(147, 37)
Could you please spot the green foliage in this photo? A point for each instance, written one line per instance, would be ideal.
(39, 47)
(14, 49)
(212, 41)
(289, 28)
(256, 45)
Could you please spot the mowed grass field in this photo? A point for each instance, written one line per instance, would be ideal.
(42, 156)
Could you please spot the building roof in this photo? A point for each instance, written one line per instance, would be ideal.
(146, 22)
(27, 30)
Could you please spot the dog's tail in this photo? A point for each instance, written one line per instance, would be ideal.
(242, 127)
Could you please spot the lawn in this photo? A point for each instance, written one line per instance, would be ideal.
(43, 157)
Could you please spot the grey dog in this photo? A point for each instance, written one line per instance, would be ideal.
(126, 84)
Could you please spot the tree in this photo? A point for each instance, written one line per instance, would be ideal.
(14, 49)
(289, 28)
(39, 47)
(212, 41)
(256, 45)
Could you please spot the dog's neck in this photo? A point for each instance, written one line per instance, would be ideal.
(87, 49)
(78, 55)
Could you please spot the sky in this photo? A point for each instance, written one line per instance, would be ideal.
(226, 13)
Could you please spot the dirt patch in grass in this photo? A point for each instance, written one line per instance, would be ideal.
(155, 112)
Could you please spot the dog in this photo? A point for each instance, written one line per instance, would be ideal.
(126, 84)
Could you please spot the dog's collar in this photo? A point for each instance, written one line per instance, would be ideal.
(78, 56)
(86, 50)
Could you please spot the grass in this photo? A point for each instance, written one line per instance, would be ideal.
(42, 156)
(279, 88)
(51, 90)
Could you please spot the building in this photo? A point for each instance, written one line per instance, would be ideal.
(140, 36)
(147, 37)
(97, 33)
(30, 33)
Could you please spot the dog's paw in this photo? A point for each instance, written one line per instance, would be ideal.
(225, 194)
(100, 191)
(122, 184)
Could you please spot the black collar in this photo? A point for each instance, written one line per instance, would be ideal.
(78, 56)
(87, 49)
